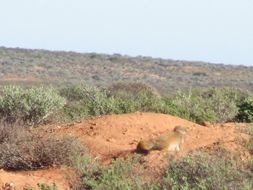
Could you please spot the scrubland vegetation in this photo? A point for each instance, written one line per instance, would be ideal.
(23, 107)
(24, 66)
(198, 105)
(191, 90)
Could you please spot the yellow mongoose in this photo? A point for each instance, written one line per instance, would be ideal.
(171, 141)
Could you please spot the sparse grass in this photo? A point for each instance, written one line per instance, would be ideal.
(248, 129)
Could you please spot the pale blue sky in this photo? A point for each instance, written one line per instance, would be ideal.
(219, 31)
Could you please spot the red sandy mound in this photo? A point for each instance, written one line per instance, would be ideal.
(111, 136)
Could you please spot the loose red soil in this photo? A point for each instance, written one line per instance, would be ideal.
(111, 136)
(23, 179)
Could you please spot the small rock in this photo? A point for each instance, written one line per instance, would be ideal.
(207, 124)
(70, 124)
(9, 186)
(133, 142)
(110, 140)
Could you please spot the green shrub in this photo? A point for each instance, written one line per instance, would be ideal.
(189, 106)
(118, 175)
(30, 106)
(21, 149)
(89, 99)
(132, 89)
(97, 101)
(214, 105)
(73, 92)
(136, 96)
(223, 101)
(201, 171)
(73, 111)
(43, 186)
(125, 105)
(246, 110)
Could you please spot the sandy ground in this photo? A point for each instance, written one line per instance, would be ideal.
(112, 136)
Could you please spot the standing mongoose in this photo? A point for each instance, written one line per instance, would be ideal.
(171, 141)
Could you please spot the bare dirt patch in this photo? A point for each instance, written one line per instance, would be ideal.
(23, 179)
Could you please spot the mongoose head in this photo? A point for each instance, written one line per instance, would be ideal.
(180, 129)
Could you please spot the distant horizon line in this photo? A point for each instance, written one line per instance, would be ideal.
(124, 55)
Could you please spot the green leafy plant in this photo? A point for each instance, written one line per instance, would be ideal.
(91, 100)
(118, 175)
(214, 104)
(30, 106)
(43, 186)
(245, 110)
(201, 171)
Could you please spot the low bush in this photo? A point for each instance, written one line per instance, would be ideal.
(213, 105)
(72, 111)
(43, 186)
(72, 92)
(118, 175)
(91, 101)
(88, 99)
(223, 101)
(28, 106)
(131, 89)
(20, 149)
(245, 110)
(135, 96)
(189, 106)
(201, 171)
